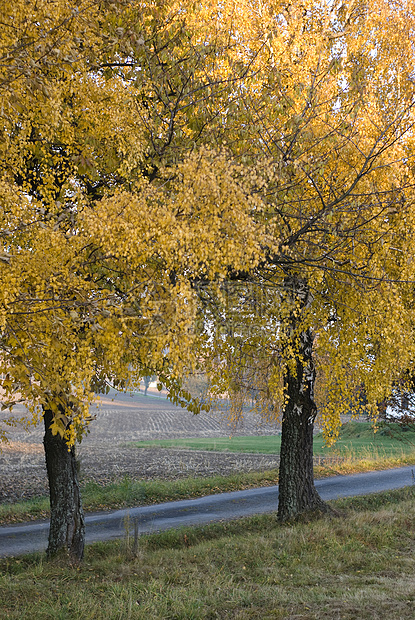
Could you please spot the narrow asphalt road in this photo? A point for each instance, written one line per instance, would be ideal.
(20, 539)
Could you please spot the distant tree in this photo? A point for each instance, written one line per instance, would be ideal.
(147, 379)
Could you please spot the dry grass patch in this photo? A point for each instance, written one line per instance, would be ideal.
(360, 565)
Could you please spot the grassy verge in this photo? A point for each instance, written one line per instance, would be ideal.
(360, 565)
(130, 492)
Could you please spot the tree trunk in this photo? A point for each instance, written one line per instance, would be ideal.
(67, 523)
(297, 493)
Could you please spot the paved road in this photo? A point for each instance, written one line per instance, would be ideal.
(20, 539)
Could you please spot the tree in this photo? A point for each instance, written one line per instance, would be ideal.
(109, 212)
(158, 146)
(147, 379)
(328, 125)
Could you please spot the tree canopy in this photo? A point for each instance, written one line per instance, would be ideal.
(328, 113)
(151, 152)
(108, 214)
(328, 121)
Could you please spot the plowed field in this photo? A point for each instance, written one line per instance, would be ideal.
(104, 456)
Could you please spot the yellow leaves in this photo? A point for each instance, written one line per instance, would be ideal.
(363, 352)
(166, 145)
(58, 428)
(199, 221)
(212, 199)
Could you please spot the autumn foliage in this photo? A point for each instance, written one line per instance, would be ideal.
(152, 152)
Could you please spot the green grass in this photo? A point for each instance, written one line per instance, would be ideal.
(358, 437)
(359, 565)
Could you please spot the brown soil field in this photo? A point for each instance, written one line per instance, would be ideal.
(104, 456)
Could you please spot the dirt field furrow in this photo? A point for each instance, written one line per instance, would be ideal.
(121, 419)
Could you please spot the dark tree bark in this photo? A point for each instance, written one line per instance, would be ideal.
(67, 523)
(297, 493)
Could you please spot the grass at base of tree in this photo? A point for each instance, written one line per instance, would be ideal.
(359, 565)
